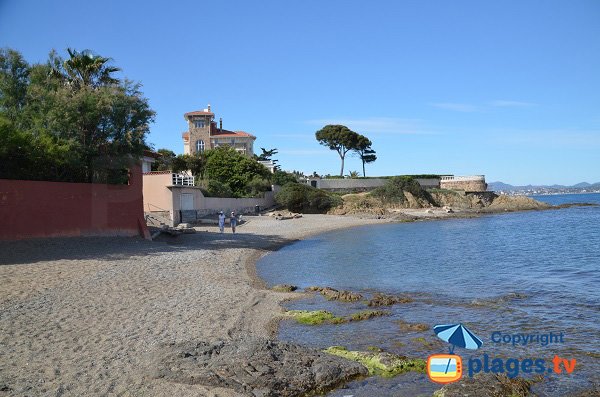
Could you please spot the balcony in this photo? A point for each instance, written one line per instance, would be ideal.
(182, 180)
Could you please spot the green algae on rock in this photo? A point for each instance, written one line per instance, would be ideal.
(317, 317)
(367, 314)
(284, 288)
(314, 317)
(380, 363)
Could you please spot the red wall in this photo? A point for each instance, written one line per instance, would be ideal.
(49, 209)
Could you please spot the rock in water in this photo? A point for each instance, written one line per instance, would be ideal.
(284, 288)
(497, 385)
(387, 300)
(333, 294)
(255, 367)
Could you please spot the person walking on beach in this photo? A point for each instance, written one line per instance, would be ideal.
(221, 221)
(233, 221)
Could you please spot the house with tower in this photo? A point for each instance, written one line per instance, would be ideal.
(203, 134)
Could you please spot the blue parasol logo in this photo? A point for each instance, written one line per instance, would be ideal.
(457, 335)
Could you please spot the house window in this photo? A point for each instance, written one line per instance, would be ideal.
(199, 123)
(200, 146)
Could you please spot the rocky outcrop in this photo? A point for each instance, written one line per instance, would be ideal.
(333, 294)
(387, 300)
(318, 317)
(494, 385)
(284, 288)
(406, 326)
(515, 203)
(255, 367)
(380, 363)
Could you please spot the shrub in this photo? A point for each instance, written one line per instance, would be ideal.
(394, 188)
(298, 197)
(282, 178)
(218, 189)
(257, 186)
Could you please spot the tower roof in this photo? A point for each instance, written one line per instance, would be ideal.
(204, 112)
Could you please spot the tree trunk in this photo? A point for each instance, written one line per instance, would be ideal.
(363, 161)
(342, 171)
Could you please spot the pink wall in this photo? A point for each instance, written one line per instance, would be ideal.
(31, 209)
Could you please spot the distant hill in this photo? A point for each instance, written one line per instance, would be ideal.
(497, 186)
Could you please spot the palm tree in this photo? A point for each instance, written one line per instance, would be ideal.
(84, 69)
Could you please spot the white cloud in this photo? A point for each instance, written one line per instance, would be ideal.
(456, 107)
(505, 103)
(383, 125)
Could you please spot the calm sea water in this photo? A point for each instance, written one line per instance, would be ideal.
(529, 272)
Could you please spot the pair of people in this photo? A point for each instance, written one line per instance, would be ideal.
(232, 221)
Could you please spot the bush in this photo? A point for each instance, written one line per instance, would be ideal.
(298, 197)
(226, 165)
(282, 178)
(257, 186)
(218, 189)
(394, 188)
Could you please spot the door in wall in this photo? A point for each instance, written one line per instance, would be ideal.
(187, 201)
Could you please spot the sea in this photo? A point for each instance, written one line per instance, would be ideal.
(501, 276)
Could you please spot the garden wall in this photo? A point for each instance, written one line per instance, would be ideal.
(30, 209)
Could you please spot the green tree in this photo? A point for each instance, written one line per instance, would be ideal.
(14, 79)
(282, 178)
(225, 165)
(339, 138)
(267, 155)
(85, 69)
(195, 163)
(84, 124)
(364, 151)
(165, 161)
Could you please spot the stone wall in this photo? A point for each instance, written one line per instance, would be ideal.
(466, 185)
(358, 184)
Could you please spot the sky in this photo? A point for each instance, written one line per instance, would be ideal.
(508, 89)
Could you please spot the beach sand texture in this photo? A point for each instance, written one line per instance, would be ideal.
(86, 316)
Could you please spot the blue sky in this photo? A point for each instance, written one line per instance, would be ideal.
(509, 89)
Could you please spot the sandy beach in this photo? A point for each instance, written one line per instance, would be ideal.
(88, 316)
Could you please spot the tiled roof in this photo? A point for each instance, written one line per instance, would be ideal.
(198, 113)
(186, 135)
(226, 134)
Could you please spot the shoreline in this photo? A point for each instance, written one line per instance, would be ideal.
(92, 314)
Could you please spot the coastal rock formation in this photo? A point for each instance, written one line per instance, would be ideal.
(367, 203)
(284, 288)
(406, 326)
(496, 385)
(380, 363)
(333, 294)
(387, 300)
(516, 203)
(256, 367)
(317, 317)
